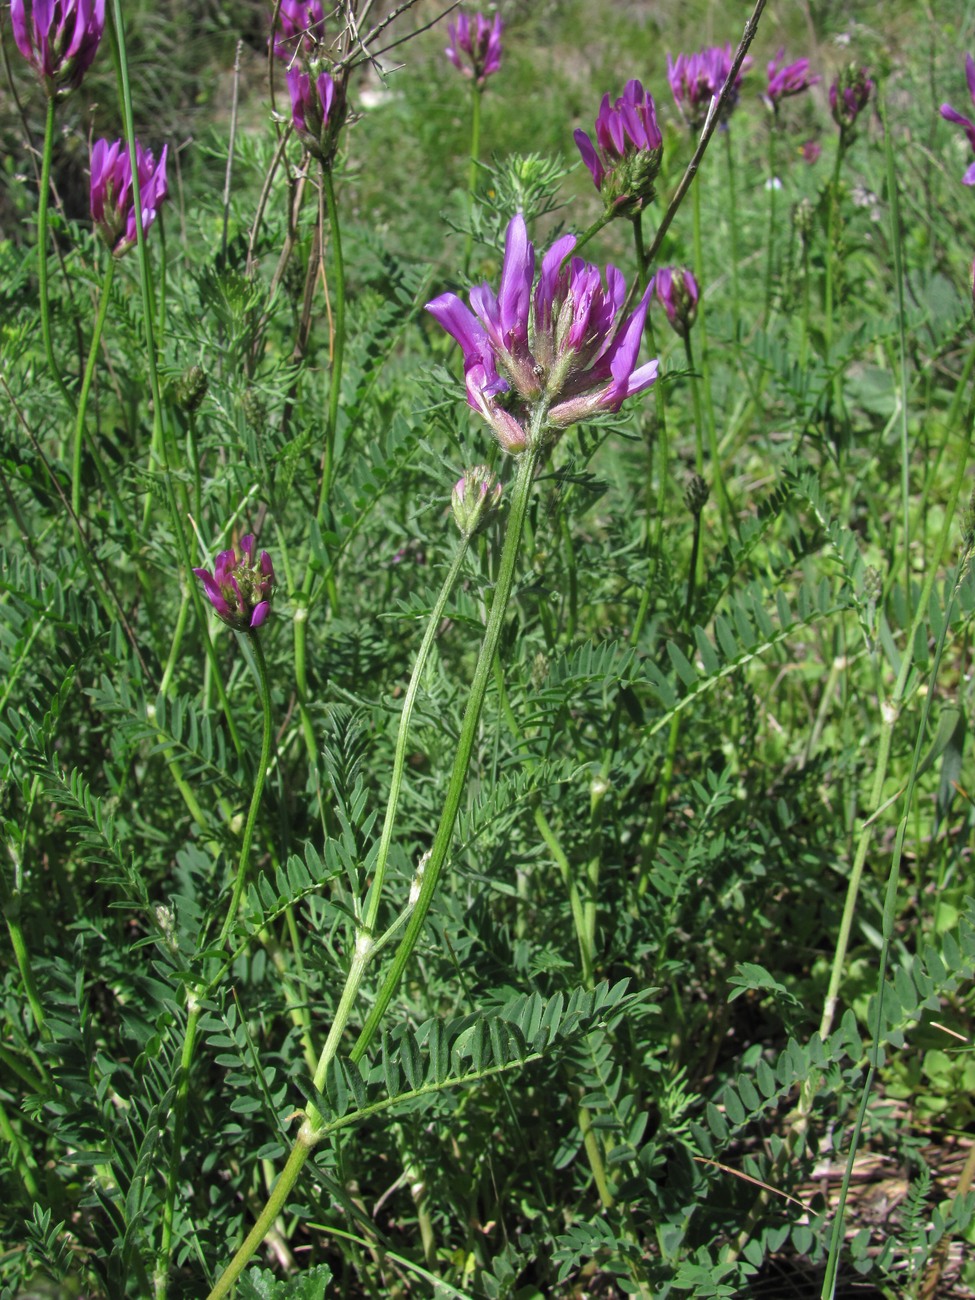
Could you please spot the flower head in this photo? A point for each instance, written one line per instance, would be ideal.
(112, 200)
(786, 79)
(676, 290)
(317, 110)
(626, 157)
(475, 46)
(58, 38)
(559, 350)
(239, 589)
(949, 114)
(810, 151)
(848, 96)
(695, 80)
(300, 27)
(475, 499)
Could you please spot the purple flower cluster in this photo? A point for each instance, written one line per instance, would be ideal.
(312, 99)
(300, 23)
(626, 157)
(676, 290)
(475, 46)
(786, 79)
(695, 79)
(239, 589)
(112, 200)
(58, 38)
(950, 115)
(848, 97)
(561, 349)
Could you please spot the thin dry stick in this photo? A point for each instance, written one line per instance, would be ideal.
(352, 58)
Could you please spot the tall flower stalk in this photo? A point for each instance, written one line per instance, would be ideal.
(59, 41)
(537, 357)
(475, 51)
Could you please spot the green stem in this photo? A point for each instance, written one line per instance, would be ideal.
(275, 1204)
(720, 491)
(79, 430)
(245, 844)
(42, 282)
(402, 738)
(338, 342)
(733, 227)
(521, 497)
(161, 1277)
(328, 469)
(194, 1003)
(895, 239)
(178, 509)
(698, 413)
(472, 172)
(770, 236)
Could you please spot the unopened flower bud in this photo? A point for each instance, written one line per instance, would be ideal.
(873, 584)
(802, 219)
(676, 290)
(191, 388)
(475, 499)
(696, 494)
(254, 407)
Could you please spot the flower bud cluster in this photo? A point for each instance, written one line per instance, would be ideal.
(240, 587)
(112, 197)
(59, 39)
(848, 97)
(675, 288)
(696, 79)
(475, 46)
(475, 499)
(625, 160)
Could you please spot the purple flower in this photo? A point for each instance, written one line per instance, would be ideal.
(58, 38)
(949, 114)
(239, 589)
(112, 201)
(313, 99)
(810, 151)
(626, 157)
(301, 23)
(788, 79)
(561, 346)
(848, 96)
(475, 46)
(695, 79)
(676, 291)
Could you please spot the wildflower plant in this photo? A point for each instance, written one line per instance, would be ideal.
(697, 79)
(531, 858)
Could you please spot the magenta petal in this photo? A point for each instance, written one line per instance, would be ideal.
(260, 613)
(461, 323)
(590, 157)
(969, 177)
(514, 294)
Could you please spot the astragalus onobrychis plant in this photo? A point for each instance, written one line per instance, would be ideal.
(485, 680)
